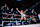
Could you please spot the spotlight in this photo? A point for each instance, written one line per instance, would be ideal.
(19, 0)
(39, 16)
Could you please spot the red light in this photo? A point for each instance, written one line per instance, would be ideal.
(4, 17)
(16, 15)
(7, 15)
(27, 18)
(39, 13)
(3, 14)
(10, 17)
(19, 16)
(35, 14)
(32, 15)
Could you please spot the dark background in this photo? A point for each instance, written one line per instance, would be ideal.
(22, 5)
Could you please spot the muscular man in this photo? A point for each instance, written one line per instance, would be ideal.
(22, 14)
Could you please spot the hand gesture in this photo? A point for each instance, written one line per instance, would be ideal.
(16, 8)
(26, 9)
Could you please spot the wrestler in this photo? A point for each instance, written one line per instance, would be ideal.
(22, 14)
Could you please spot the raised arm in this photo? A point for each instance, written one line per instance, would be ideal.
(17, 10)
(25, 10)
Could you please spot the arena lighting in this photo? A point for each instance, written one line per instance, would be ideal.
(0, 24)
(19, 0)
(32, 7)
(39, 16)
